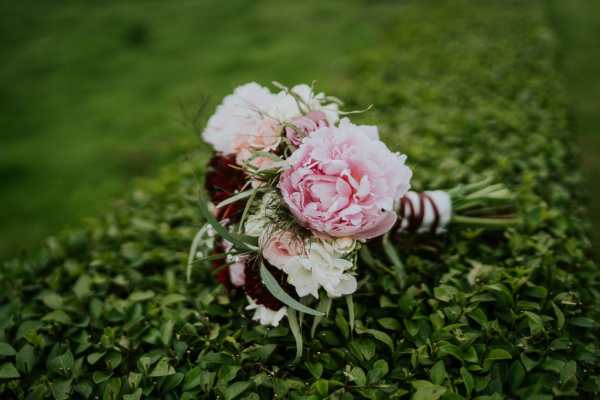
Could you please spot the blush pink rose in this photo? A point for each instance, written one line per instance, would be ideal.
(304, 125)
(343, 182)
(280, 247)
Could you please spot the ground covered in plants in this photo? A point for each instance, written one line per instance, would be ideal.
(466, 90)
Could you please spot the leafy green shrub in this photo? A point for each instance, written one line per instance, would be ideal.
(467, 91)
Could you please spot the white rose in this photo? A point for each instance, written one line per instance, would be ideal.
(320, 268)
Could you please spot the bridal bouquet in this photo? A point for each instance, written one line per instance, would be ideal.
(296, 194)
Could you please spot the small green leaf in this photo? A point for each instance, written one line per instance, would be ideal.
(438, 373)
(6, 350)
(25, 358)
(234, 390)
(382, 337)
(136, 395)
(427, 391)
(583, 322)
(324, 307)
(516, 375)
(378, 371)
(8, 371)
(560, 317)
(322, 387)
(52, 300)
(357, 375)
(468, 380)
(141, 296)
(390, 323)
(162, 368)
(62, 364)
(568, 372)
(61, 389)
(315, 369)
(350, 306)
(498, 354)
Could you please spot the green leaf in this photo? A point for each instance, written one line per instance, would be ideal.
(193, 378)
(516, 375)
(450, 349)
(6, 350)
(296, 332)
(315, 369)
(238, 241)
(390, 323)
(438, 372)
(568, 372)
(136, 395)
(236, 197)
(162, 368)
(112, 389)
(350, 306)
(62, 364)
(427, 391)
(445, 293)
(141, 296)
(93, 358)
(25, 358)
(324, 307)
(235, 389)
(498, 354)
(560, 317)
(271, 284)
(61, 389)
(8, 371)
(322, 387)
(101, 376)
(82, 287)
(379, 369)
(342, 324)
(392, 255)
(227, 373)
(381, 336)
(536, 324)
(357, 375)
(166, 331)
(468, 380)
(52, 300)
(582, 322)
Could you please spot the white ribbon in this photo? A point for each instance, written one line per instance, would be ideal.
(442, 202)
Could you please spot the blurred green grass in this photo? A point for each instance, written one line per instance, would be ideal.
(97, 93)
(577, 23)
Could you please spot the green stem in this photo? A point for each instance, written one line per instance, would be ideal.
(485, 222)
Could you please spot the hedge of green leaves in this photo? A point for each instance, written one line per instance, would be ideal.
(467, 91)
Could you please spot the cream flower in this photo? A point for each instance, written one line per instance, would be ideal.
(239, 115)
(265, 315)
(320, 267)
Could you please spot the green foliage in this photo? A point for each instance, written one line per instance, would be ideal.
(467, 91)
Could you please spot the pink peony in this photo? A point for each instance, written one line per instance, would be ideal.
(305, 125)
(344, 182)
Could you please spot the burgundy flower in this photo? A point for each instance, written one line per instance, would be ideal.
(223, 179)
(258, 292)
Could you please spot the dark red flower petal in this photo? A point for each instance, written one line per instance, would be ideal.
(258, 292)
(223, 180)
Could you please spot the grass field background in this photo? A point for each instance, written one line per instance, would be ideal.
(94, 95)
